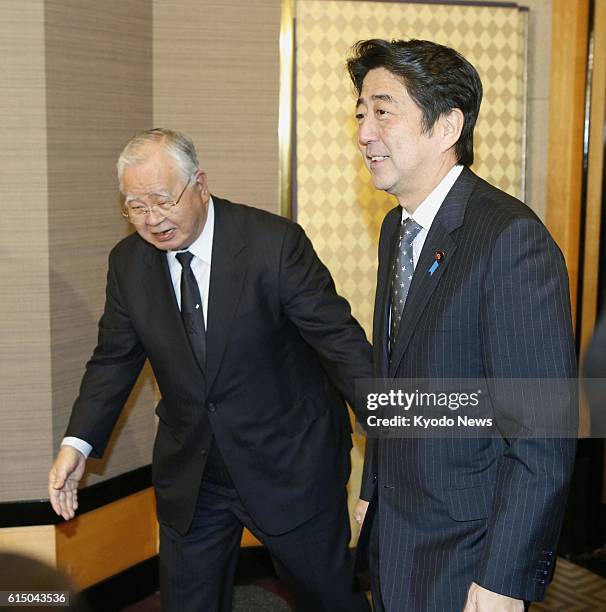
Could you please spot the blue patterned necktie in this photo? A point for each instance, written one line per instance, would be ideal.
(402, 271)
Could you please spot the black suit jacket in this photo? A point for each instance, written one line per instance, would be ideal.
(460, 510)
(282, 352)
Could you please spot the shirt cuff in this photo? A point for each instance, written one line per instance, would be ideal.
(80, 445)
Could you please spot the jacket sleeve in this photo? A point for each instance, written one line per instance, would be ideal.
(323, 318)
(369, 471)
(526, 333)
(110, 373)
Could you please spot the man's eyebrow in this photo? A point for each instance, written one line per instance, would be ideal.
(383, 97)
(158, 194)
(375, 97)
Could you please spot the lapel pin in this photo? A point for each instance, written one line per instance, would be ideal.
(438, 257)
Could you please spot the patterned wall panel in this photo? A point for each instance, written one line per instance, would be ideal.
(336, 201)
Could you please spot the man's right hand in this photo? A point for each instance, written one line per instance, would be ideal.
(359, 512)
(63, 481)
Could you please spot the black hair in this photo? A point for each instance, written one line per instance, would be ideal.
(436, 77)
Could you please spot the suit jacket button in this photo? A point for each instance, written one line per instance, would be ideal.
(374, 478)
(211, 407)
(203, 452)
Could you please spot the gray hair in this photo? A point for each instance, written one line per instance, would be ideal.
(179, 146)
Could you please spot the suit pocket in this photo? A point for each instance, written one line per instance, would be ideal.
(470, 503)
(166, 419)
(302, 415)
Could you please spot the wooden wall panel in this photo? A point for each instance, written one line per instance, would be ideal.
(101, 543)
(570, 21)
(37, 542)
(595, 174)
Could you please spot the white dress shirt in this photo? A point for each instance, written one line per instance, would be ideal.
(202, 249)
(428, 209)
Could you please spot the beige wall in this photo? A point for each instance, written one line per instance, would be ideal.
(25, 369)
(98, 92)
(216, 76)
(77, 83)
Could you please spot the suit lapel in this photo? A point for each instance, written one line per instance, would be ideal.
(388, 245)
(228, 271)
(424, 282)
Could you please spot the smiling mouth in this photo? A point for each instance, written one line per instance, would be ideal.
(377, 158)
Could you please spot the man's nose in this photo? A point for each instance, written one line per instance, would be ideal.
(154, 217)
(367, 131)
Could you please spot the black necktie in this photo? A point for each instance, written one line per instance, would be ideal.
(192, 314)
(191, 308)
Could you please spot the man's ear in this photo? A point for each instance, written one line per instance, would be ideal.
(202, 183)
(451, 125)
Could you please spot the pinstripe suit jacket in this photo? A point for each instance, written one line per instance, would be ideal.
(486, 510)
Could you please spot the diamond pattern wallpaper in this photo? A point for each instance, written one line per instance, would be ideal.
(336, 201)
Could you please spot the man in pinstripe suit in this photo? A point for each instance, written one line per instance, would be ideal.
(459, 524)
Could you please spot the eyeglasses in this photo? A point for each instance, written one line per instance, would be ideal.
(136, 213)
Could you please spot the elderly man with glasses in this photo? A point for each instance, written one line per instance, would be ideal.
(254, 352)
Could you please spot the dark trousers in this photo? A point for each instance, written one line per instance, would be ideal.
(197, 569)
(373, 559)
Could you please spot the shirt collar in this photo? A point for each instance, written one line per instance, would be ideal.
(202, 246)
(428, 208)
